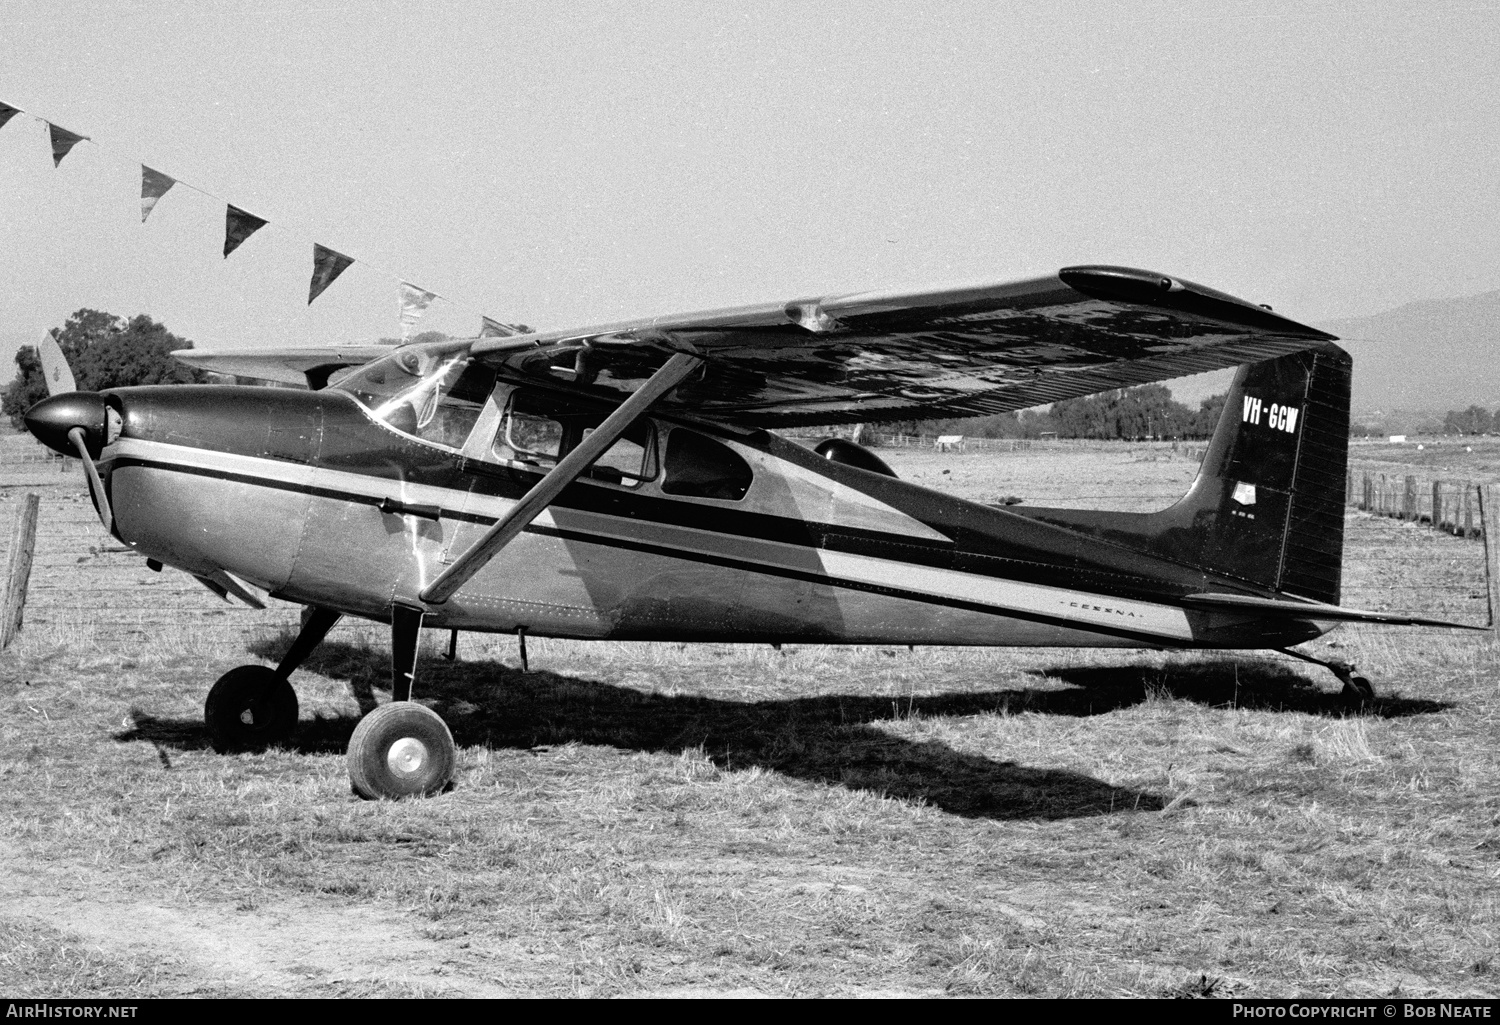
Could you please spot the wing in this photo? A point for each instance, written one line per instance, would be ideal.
(950, 352)
(309, 366)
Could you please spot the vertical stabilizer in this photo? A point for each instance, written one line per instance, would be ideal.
(1268, 503)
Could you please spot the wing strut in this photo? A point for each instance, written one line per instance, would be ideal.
(568, 469)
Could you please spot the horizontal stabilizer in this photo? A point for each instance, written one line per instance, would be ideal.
(1314, 610)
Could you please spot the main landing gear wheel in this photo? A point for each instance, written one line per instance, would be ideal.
(250, 709)
(401, 749)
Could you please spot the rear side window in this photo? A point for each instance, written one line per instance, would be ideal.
(699, 467)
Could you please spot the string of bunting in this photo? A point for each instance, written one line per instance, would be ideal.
(240, 224)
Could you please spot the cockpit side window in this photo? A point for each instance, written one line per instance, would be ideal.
(699, 467)
(529, 433)
(540, 429)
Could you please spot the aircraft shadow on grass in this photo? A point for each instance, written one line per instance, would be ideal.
(828, 739)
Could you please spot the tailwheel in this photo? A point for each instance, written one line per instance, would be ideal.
(250, 709)
(401, 749)
(1358, 691)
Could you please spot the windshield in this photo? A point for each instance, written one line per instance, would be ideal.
(433, 397)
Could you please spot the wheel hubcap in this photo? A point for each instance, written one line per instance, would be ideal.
(407, 757)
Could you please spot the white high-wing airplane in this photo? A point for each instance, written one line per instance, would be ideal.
(623, 482)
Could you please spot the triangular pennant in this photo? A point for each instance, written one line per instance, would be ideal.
(7, 112)
(238, 226)
(490, 328)
(327, 265)
(154, 185)
(414, 303)
(63, 141)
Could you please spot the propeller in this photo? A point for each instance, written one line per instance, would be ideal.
(73, 422)
(81, 423)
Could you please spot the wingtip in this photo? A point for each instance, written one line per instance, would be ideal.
(1152, 288)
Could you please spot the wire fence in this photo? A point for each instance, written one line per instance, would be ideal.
(812, 436)
(1454, 506)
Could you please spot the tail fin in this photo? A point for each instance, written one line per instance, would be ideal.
(1268, 503)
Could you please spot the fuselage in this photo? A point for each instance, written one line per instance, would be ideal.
(702, 533)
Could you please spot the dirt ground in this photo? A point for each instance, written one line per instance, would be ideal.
(201, 948)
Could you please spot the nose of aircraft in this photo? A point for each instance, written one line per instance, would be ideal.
(51, 419)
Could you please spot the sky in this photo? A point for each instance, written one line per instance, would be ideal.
(569, 164)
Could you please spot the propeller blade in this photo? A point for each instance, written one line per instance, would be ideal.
(96, 486)
(55, 369)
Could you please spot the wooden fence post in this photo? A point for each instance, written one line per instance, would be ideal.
(1487, 519)
(18, 574)
(1409, 500)
(1468, 510)
(1437, 505)
(1369, 502)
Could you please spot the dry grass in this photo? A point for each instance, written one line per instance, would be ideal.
(1447, 458)
(682, 819)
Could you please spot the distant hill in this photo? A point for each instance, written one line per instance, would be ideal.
(1428, 356)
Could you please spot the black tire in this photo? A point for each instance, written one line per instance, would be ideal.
(250, 709)
(1358, 692)
(401, 749)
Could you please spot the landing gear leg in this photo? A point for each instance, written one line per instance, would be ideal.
(252, 707)
(1358, 690)
(401, 749)
(314, 628)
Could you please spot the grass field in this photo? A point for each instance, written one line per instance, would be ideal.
(714, 819)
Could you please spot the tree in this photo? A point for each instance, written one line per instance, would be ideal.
(1148, 411)
(1207, 417)
(104, 351)
(1131, 413)
(1474, 420)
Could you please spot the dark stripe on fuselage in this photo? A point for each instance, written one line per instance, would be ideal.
(330, 430)
(586, 498)
(667, 551)
(646, 547)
